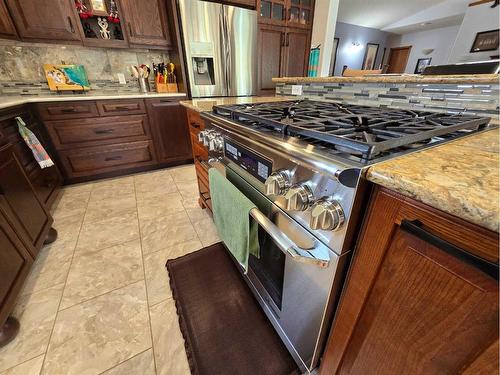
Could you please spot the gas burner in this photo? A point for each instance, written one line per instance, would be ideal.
(366, 133)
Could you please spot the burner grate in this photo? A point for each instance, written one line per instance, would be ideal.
(361, 131)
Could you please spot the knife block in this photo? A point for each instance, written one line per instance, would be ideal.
(165, 87)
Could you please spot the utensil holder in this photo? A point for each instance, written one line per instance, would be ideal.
(143, 84)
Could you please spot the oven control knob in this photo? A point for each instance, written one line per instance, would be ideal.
(216, 143)
(298, 198)
(327, 214)
(277, 183)
(207, 136)
(201, 136)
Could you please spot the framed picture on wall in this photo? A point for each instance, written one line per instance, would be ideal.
(370, 56)
(334, 56)
(485, 41)
(422, 64)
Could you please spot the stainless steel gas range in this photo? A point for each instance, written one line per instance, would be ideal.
(302, 164)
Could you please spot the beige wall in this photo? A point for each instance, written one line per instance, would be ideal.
(325, 18)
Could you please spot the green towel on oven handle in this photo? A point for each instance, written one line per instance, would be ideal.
(231, 210)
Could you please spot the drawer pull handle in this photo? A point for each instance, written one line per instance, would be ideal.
(122, 108)
(415, 227)
(103, 131)
(195, 125)
(68, 110)
(112, 158)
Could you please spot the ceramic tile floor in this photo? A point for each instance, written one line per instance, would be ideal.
(97, 300)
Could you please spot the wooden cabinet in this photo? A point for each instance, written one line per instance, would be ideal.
(47, 181)
(146, 23)
(271, 56)
(25, 212)
(421, 295)
(292, 13)
(200, 155)
(282, 52)
(170, 134)
(7, 28)
(15, 263)
(297, 45)
(48, 20)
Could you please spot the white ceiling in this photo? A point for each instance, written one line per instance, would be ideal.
(380, 14)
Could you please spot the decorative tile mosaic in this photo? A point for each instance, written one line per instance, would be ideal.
(480, 99)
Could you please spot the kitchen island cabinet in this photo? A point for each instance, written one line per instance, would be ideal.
(421, 295)
(7, 28)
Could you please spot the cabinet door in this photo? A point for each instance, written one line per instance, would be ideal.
(18, 200)
(7, 29)
(413, 302)
(15, 263)
(272, 12)
(271, 40)
(146, 23)
(45, 20)
(300, 13)
(297, 43)
(170, 130)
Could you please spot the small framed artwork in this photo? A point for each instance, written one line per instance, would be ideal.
(334, 56)
(422, 64)
(98, 7)
(485, 41)
(370, 56)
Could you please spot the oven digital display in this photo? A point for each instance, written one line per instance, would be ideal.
(254, 164)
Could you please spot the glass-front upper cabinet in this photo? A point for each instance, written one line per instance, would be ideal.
(300, 13)
(272, 11)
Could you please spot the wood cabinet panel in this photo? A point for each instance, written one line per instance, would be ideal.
(297, 43)
(169, 129)
(15, 263)
(121, 107)
(7, 28)
(68, 134)
(46, 182)
(67, 110)
(271, 41)
(18, 200)
(413, 303)
(52, 20)
(90, 161)
(146, 23)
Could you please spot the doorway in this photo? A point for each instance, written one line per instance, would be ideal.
(398, 58)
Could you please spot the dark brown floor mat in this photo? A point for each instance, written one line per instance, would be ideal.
(224, 328)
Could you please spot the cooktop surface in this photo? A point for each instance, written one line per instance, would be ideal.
(361, 133)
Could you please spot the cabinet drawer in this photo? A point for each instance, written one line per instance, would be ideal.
(195, 122)
(94, 160)
(98, 131)
(66, 110)
(199, 151)
(121, 107)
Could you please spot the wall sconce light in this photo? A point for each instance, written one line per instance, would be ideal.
(355, 47)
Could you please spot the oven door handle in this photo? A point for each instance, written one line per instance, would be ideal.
(317, 255)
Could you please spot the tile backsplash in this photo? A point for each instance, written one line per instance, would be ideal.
(481, 99)
(21, 64)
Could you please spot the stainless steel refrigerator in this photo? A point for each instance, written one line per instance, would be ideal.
(220, 46)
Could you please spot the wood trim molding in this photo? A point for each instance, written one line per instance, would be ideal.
(479, 2)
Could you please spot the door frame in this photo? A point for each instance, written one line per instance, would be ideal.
(399, 48)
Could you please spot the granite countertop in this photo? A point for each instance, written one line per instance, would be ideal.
(205, 105)
(404, 78)
(460, 177)
(12, 100)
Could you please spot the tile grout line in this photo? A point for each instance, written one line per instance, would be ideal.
(145, 282)
(126, 360)
(65, 281)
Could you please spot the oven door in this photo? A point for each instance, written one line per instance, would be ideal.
(293, 277)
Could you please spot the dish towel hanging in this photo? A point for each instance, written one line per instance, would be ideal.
(34, 144)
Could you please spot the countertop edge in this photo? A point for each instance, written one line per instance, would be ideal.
(410, 78)
(11, 101)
